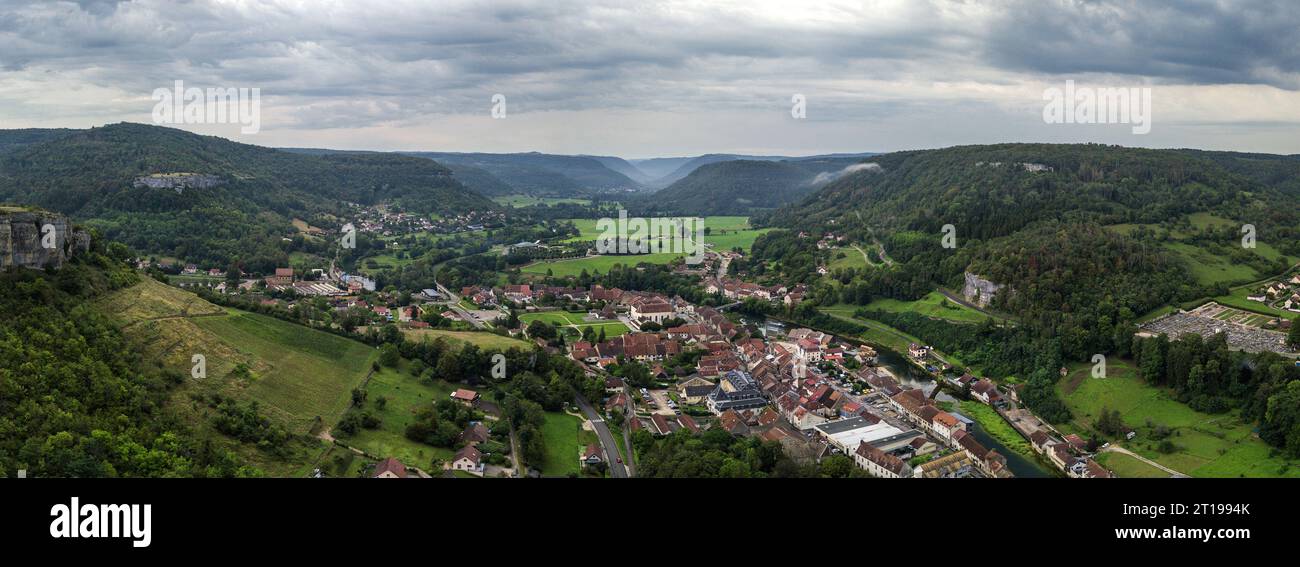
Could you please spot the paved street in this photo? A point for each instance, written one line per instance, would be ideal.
(616, 469)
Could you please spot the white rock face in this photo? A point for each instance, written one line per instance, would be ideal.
(978, 290)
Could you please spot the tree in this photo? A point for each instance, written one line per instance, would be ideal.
(389, 355)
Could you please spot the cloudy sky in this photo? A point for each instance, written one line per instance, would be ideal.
(643, 79)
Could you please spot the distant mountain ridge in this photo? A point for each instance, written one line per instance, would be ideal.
(742, 187)
(544, 174)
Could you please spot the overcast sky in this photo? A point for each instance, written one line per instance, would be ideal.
(643, 79)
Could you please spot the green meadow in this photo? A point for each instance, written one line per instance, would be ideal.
(1205, 445)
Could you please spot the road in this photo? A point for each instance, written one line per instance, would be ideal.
(616, 469)
(455, 306)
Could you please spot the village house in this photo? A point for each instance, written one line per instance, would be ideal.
(283, 276)
(592, 455)
(468, 459)
(390, 468)
(986, 391)
(474, 434)
(467, 397)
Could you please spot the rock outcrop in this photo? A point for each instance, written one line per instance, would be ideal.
(26, 241)
(979, 290)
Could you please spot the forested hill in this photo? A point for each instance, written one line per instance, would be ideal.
(988, 191)
(236, 200)
(543, 174)
(93, 170)
(740, 187)
(75, 399)
(998, 198)
(1084, 239)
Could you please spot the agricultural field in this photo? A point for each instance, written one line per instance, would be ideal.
(594, 264)
(1205, 445)
(517, 201)
(484, 340)
(725, 233)
(405, 396)
(303, 228)
(295, 374)
(151, 299)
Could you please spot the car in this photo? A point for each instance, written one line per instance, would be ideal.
(618, 460)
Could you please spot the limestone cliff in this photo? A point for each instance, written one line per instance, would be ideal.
(979, 290)
(26, 241)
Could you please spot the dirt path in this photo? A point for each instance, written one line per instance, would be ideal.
(1121, 450)
(865, 258)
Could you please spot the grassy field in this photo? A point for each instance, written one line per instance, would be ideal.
(151, 299)
(1126, 466)
(1206, 445)
(515, 201)
(576, 323)
(594, 264)
(1206, 264)
(725, 233)
(484, 340)
(852, 259)
(933, 305)
(998, 428)
(406, 396)
(295, 374)
(1237, 298)
(561, 435)
(555, 317)
(882, 334)
(1209, 268)
(299, 373)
